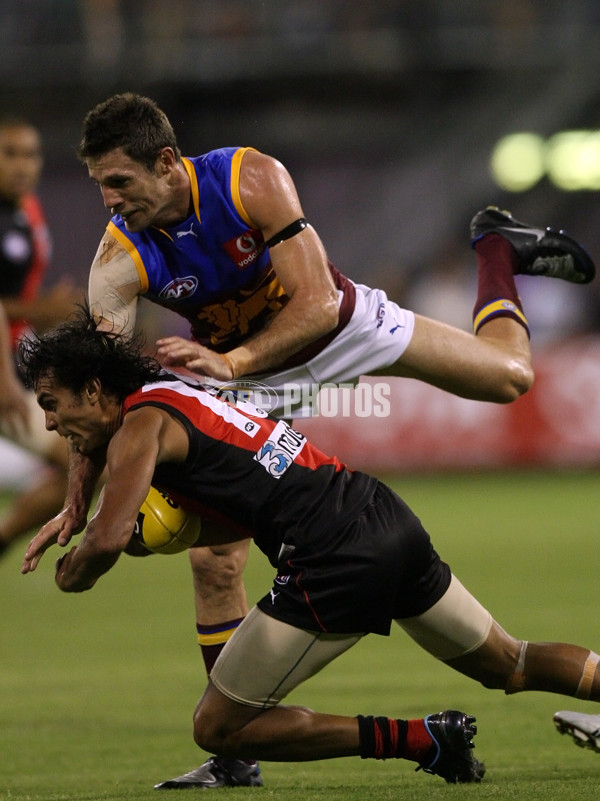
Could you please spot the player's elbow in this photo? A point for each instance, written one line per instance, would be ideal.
(325, 314)
(332, 313)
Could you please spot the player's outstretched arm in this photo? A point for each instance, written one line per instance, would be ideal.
(146, 437)
(83, 478)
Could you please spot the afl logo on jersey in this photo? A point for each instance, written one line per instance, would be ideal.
(246, 248)
(179, 288)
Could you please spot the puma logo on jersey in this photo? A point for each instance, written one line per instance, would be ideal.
(191, 232)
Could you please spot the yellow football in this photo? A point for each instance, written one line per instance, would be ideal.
(162, 526)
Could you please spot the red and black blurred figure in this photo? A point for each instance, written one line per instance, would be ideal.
(25, 250)
(25, 245)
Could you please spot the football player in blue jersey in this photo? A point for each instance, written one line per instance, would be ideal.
(222, 240)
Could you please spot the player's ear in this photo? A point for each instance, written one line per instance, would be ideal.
(166, 159)
(92, 390)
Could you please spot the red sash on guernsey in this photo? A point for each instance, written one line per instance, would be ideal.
(41, 257)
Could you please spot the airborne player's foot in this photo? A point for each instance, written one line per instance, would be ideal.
(540, 252)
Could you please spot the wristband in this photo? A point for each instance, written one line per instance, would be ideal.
(229, 363)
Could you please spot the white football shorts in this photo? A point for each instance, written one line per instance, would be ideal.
(375, 337)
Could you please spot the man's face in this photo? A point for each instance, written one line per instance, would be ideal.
(80, 418)
(20, 161)
(142, 197)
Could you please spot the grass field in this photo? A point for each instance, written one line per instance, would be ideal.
(97, 690)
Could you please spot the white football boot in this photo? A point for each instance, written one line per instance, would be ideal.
(584, 729)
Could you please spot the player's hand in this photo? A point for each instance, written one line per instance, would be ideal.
(59, 531)
(71, 578)
(63, 575)
(179, 352)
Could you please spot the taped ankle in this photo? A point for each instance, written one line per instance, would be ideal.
(584, 688)
(516, 682)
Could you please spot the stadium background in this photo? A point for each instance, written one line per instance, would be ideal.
(386, 114)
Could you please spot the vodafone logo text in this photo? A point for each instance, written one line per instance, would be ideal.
(246, 248)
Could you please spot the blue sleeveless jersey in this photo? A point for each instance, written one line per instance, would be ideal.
(213, 268)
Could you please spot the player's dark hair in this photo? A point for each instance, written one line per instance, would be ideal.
(76, 352)
(129, 121)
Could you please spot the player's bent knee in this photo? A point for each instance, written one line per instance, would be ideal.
(206, 735)
(217, 734)
(520, 377)
(460, 632)
(231, 556)
(219, 566)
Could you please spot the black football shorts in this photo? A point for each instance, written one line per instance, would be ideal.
(358, 578)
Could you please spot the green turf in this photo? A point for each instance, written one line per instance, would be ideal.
(97, 690)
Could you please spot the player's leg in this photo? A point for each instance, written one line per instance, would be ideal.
(459, 631)
(34, 506)
(221, 605)
(44, 498)
(240, 713)
(495, 364)
(220, 596)
(512, 665)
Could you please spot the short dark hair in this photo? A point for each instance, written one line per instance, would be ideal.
(76, 352)
(129, 121)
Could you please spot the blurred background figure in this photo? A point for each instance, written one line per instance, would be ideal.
(24, 256)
